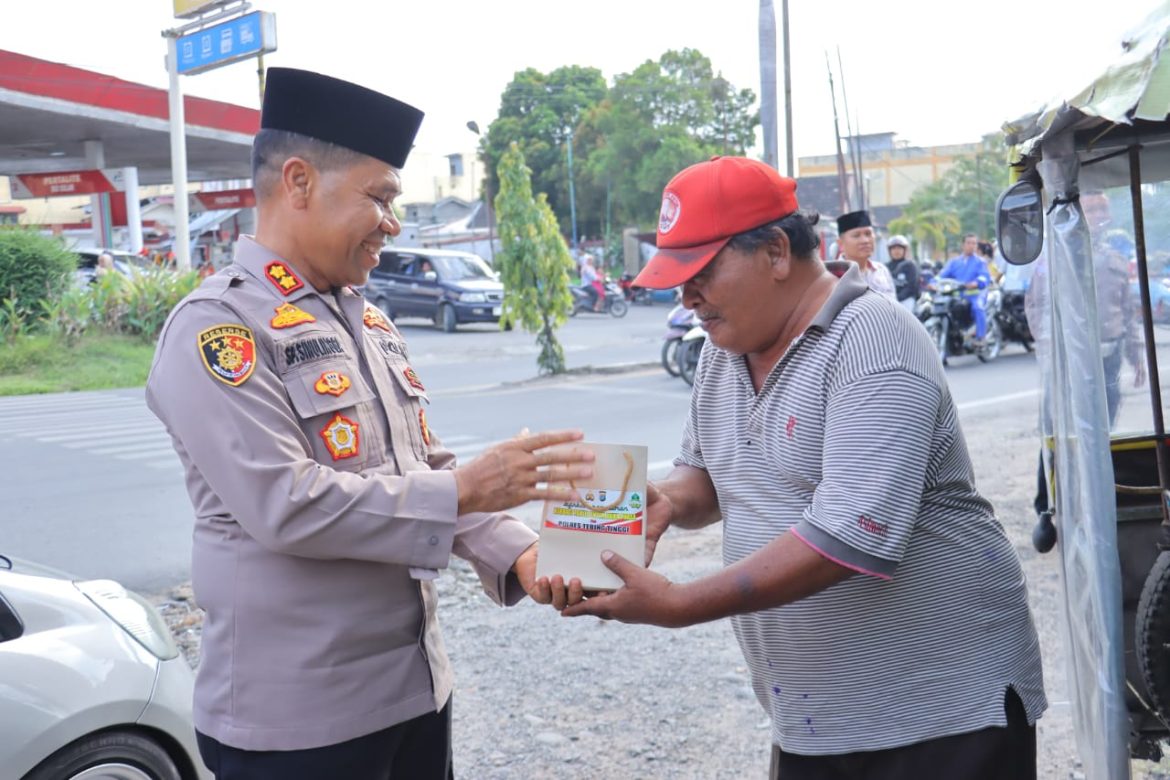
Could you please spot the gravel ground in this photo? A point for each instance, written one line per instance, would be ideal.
(539, 696)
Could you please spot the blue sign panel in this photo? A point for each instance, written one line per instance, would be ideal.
(224, 43)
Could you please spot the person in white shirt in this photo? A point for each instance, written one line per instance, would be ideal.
(856, 241)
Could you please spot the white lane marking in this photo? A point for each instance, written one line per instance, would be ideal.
(998, 399)
(118, 434)
(154, 444)
(151, 453)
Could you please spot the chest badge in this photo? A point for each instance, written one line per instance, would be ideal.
(341, 437)
(332, 383)
(373, 318)
(413, 380)
(282, 277)
(228, 352)
(422, 424)
(289, 316)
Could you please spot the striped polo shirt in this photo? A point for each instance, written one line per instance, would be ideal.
(925, 639)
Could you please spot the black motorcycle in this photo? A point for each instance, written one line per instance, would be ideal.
(1013, 322)
(952, 323)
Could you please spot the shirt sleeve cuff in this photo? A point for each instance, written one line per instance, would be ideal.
(495, 542)
(432, 500)
(833, 549)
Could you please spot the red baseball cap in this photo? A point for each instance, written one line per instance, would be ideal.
(707, 204)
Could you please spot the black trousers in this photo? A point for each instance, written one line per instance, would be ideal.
(1001, 752)
(419, 749)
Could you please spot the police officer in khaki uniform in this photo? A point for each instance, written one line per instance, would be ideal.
(324, 503)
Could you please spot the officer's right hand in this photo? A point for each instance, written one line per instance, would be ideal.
(507, 474)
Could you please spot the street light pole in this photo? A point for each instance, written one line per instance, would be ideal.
(473, 126)
(572, 192)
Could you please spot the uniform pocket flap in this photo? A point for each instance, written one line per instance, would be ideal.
(322, 389)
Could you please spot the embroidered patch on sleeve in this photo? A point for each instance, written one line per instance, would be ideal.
(332, 383)
(289, 316)
(282, 277)
(422, 424)
(413, 380)
(228, 352)
(341, 437)
(373, 318)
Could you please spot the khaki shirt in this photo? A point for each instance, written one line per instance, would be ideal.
(323, 504)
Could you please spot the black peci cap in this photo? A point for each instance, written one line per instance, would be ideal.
(328, 109)
(854, 219)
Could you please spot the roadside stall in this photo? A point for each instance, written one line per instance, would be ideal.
(1091, 209)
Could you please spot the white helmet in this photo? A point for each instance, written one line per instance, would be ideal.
(898, 241)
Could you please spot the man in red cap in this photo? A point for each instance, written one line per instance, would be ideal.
(878, 602)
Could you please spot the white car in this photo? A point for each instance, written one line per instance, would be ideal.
(91, 683)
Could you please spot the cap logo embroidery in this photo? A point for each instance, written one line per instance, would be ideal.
(372, 318)
(228, 352)
(282, 277)
(289, 316)
(333, 383)
(790, 428)
(671, 209)
(341, 437)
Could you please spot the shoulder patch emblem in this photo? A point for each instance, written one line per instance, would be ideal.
(341, 437)
(422, 424)
(289, 316)
(413, 380)
(332, 383)
(374, 318)
(228, 352)
(282, 277)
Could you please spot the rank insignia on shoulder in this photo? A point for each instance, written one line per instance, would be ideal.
(289, 316)
(422, 424)
(413, 380)
(228, 352)
(373, 318)
(332, 383)
(341, 437)
(282, 277)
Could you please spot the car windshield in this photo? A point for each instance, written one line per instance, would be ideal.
(457, 269)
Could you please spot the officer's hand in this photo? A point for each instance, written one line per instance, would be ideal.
(508, 474)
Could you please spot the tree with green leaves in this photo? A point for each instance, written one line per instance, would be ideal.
(534, 261)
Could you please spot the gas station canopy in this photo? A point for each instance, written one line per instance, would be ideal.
(48, 111)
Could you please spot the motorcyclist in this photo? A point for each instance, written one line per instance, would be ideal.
(904, 271)
(590, 282)
(970, 271)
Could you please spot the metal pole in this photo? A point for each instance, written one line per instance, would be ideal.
(1139, 235)
(842, 183)
(854, 136)
(182, 241)
(572, 191)
(133, 209)
(768, 80)
(787, 93)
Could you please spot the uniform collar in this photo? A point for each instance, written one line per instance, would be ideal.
(271, 270)
(850, 286)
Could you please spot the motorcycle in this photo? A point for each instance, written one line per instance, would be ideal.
(634, 294)
(678, 323)
(689, 349)
(952, 323)
(1013, 322)
(614, 303)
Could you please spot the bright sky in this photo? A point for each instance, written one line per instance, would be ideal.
(933, 72)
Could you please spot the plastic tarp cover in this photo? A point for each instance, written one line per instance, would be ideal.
(1077, 420)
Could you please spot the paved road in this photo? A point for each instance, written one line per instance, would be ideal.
(93, 487)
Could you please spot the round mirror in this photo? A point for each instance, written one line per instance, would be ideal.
(1019, 223)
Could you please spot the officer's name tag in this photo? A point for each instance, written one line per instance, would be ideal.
(607, 513)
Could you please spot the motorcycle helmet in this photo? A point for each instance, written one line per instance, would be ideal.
(898, 241)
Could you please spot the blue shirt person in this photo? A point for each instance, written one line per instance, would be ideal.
(971, 271)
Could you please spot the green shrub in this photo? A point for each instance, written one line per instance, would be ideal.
(149, 297)
(33, 268)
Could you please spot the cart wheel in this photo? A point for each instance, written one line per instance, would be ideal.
(1152, 640)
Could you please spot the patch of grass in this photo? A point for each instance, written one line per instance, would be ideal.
(98, 361)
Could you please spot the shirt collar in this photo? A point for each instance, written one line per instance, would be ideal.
(850, 286)
(270, 268)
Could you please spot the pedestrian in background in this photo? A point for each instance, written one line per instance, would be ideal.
(881, 608)
(324, 503)
(857, 242)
